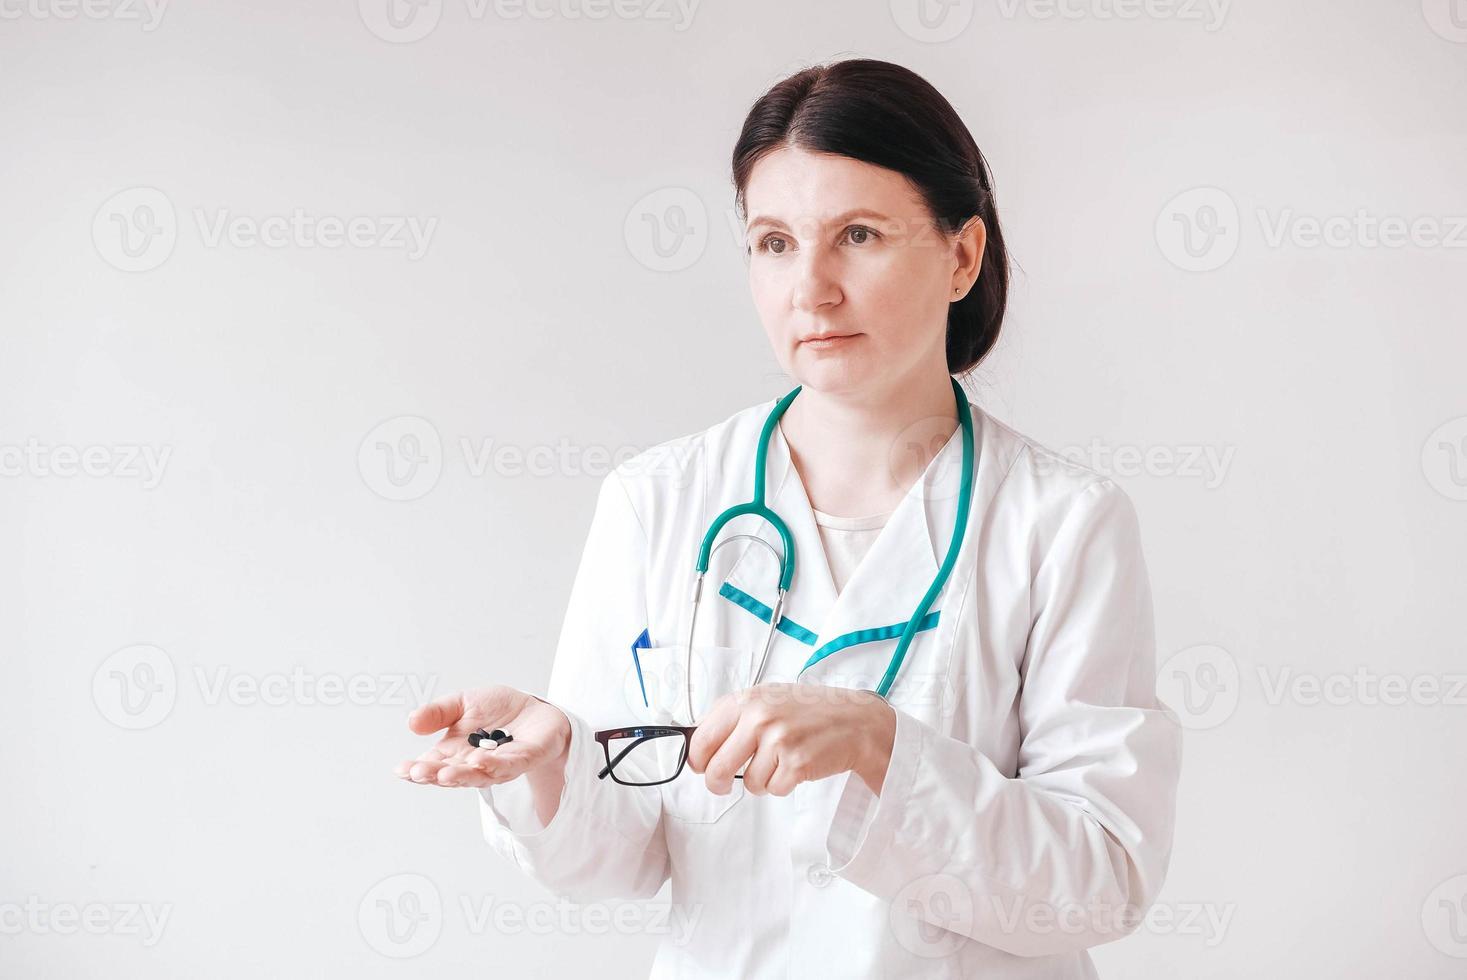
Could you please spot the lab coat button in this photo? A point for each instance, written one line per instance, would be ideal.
(819, 875)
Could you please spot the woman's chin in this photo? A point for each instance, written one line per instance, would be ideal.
(832, 375)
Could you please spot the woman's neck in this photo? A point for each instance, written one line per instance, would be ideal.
(857, 454)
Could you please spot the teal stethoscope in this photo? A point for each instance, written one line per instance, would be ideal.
(786, 561)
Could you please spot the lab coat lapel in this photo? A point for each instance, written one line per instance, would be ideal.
(889, 582)
(812, 591)
(891, 578)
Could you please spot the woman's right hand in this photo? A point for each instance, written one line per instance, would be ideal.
(541, 739)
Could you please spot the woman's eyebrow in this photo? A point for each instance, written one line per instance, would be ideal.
(765, 219)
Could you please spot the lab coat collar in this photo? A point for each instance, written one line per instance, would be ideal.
(889, 581)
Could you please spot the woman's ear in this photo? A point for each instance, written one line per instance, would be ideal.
(968, 246)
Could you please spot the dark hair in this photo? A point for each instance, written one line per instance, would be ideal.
(889, 116)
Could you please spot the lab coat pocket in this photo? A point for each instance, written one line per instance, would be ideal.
(715, 671)
(655, 685)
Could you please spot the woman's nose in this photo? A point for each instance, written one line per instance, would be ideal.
(816, 283)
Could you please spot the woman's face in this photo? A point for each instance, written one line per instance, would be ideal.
(847, 251)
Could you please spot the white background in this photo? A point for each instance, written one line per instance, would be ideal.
(544, 315)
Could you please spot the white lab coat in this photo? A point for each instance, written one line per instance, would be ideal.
(1027, 810)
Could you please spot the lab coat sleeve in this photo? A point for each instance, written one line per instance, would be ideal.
(1071, 852)
(605, 840)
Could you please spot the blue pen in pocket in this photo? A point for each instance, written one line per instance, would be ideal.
(642, 642)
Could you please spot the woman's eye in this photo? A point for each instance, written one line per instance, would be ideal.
(766, 244)
(777, 245)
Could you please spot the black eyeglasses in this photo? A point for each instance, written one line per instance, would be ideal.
(645, 755)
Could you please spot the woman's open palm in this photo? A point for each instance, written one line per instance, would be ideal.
(541, 735)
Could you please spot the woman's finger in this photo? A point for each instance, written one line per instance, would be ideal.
(481, 768)
(759, 771)
(464, 776)
(783, 780)
(425, 771)
(736, 750)
(712, 731)
(437, 714)
(404, 768)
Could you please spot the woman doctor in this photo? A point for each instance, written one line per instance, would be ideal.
(1009, 802)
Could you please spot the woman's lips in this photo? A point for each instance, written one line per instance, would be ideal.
(828, 342)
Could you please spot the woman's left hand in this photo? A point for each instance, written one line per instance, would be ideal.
(793, 733)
